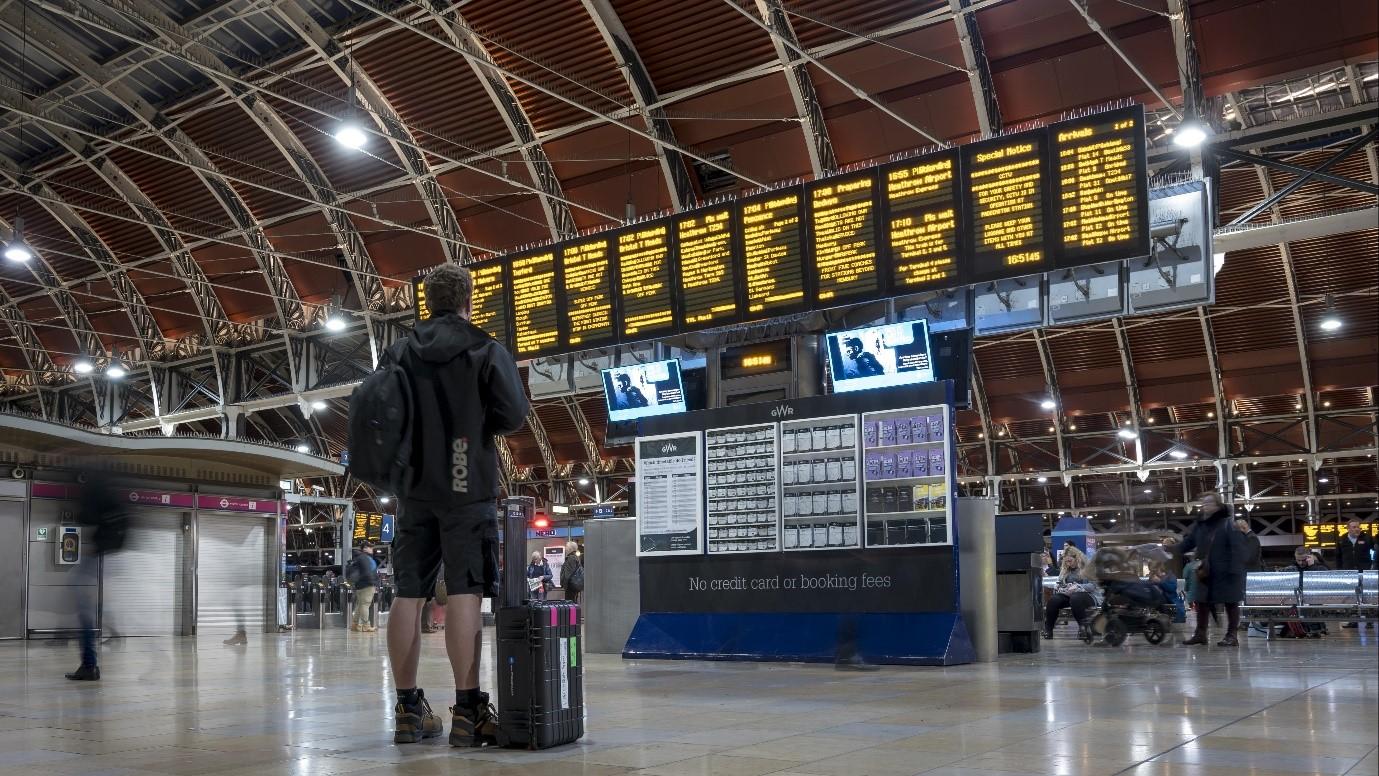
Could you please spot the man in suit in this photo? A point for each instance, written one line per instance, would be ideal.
(1354, 552)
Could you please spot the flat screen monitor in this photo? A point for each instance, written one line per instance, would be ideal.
(880, 356)
(642, 390)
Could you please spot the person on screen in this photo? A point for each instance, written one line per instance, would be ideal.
(629, 395)
(860, 362)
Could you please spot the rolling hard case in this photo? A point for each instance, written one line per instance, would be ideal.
(540, 670)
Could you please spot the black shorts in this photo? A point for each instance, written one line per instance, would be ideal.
(465, 538)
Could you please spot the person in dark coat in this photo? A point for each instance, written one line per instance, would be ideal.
(1221, 577)
(1254, 553)
(1354, 552)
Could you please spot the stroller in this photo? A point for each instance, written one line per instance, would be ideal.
(1129, 604)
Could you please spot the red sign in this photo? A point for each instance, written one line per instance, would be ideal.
(156, 499)
(53, 490)
(237, 504)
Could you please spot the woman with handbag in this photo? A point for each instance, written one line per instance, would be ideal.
(1220, 575)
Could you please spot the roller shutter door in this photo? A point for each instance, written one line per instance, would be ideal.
(232, 572)
(141, 585)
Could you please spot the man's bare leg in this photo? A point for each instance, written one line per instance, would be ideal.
(464, 637)
(404, 641)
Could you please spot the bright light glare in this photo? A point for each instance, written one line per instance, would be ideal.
(17, 250)
(303, 449)
(318, 405)
(1331, 322)
(1324, 480)
(1043, 479)
(1047, 404)
(335, 323)
(583, 480)
(1190, 134)
(115, 372)
(385, 500)
(351, 136)
(83, 367)
(1126, 433)
(1178, 454)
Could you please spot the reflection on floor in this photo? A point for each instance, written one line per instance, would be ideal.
(319, 703)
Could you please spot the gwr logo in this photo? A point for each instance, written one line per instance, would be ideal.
(782, 411)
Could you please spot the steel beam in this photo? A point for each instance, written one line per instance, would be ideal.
(807, 109)
(1248, 236)
(1081, 7)
(72, 313)
(978, 68)
(594, 459)
(1051, 380)
(553, 203)
(543, 442)
(299, 21)
(1264, 161)
(673, 166)
(1217, 391)
(187, 45)
(1132, 386)
(1299, 332)
(1357, 94)
(1272, 198)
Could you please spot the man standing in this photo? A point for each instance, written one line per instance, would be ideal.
(363, 577)
(1354, 553)
(466, 390)
(572, 572)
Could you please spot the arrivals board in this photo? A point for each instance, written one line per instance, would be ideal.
(708, 289)
(1006, 188)
(489, 310)
(842, 238)
(923, 222)
(1103, 202)
(588, 273)
(535, 308)
(772, 252)
(644, 281)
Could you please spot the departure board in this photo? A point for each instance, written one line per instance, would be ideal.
(773, 252)
(705, 246)
(490, 302)
(842, 237)
(1102, 188)
(588, 271)
(1005, 183)
(644, 281)
(923, 222)
(420, 309)
(536, 313)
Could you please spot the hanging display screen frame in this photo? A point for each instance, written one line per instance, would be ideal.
(881, 272)
(672, 283)
(1138, 244)
(802, 258)
(980, 261)
(961, 227)
(732, 264)
(557, 300)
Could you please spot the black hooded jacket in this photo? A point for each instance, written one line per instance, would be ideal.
(466, 389)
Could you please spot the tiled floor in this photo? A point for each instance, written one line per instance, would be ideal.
(320, 703)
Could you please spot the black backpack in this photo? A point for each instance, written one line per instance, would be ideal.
(382, 414)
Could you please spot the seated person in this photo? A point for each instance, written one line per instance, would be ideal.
(1306, 560)
(1168, 585)
(1073, 592)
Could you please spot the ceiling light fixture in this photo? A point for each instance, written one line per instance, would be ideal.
(115, 371)
(335, 322)
(1048, 404)
(1043, 479)
(1240, 477)
(385, 500)
(83, 366)
(303, 448)
(1331, 320)
(350, 133)
(1323, 480)
(1177, 454)
(1191, 133)
(318, 405)
(583, 480)
(1126, 433)
(16, 249)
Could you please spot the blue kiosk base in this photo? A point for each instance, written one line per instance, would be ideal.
(920, 639)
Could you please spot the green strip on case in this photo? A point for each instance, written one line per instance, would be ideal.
(574, 651)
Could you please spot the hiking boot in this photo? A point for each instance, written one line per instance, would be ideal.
(474, 727)
(413, 723)
(85, 673)
(237, 640)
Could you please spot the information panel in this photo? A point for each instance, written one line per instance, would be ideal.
(490, 304)
(773, 252)
(1005, 183)
(670, 494)
(842, 230)
(707, 285)
(588, 272)
(536, 313)
(644, 281)
(1102, 188)
(923, 222)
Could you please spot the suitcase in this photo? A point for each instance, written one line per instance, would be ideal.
(540, 667)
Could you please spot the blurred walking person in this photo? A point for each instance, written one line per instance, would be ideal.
(101, 511)
(1220, 575)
